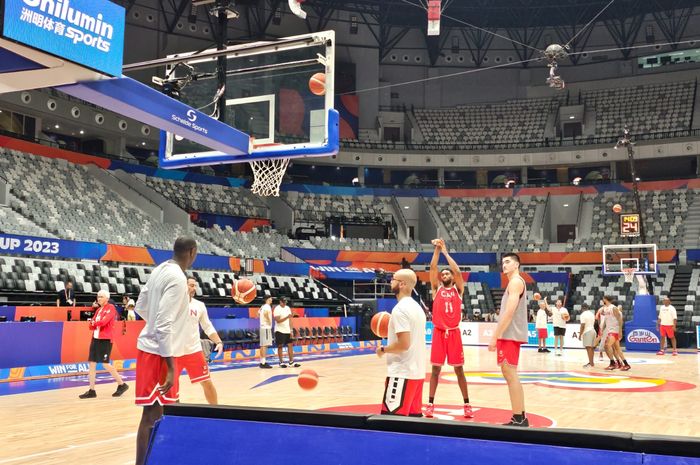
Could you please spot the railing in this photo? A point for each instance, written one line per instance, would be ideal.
(400, 218)
(533, 144)
(578, 214)
(544, 216)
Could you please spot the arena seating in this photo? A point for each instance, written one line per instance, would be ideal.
(485, 224)
(511, 121)
(316, 208)
(210, 198)
(664, 212)
(369, 244)
(47, 276)
(645, 108)
(65, 200)
(12, 222)
(248, 244)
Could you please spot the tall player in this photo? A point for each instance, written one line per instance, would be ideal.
(193, 361)
(511, 332)
(163, 304)
(612, 325)
(448, 289)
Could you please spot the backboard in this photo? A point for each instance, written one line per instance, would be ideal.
(268, 95)
(640, 257)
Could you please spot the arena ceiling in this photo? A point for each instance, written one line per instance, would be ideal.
(523, 21)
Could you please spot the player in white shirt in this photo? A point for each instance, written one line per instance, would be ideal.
(193, 360)
(163, 304)
(265, 316)
(666, 324)
(560, 316)
(587, 333)
(283, 332)
(541, 326)
(405, 349)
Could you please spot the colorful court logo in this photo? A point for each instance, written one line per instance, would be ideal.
(576, 381)
(642, 336)
(492, 416)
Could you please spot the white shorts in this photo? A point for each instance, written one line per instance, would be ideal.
(588, 338)
(265, 337)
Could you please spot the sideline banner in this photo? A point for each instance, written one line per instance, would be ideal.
(479, 334)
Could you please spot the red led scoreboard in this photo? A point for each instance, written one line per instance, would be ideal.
(629, 225)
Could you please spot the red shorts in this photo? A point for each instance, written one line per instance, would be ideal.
(615, 336)
(508, 351)
(151, 371)
(197, 368)
(403, 397)
(542, 333)
(667, 331)
(447, 345)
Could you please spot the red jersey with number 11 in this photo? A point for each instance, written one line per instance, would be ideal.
(447, 308)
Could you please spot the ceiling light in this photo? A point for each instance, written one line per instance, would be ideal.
(572, 117)
(82, 132)
(57, 126)
(566, 205)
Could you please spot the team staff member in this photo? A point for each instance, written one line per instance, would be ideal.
(587, 334)
(102, 327)
(163, 303)
(405, 349)
(283, 332)
(666, 324)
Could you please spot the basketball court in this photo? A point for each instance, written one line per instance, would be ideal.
(56, 428)
(267, 103)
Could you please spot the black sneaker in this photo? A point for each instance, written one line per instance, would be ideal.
(121, 389)
(540, 350)
(546, 350)
(264, 365)
(283, 365)
(294, 364)
(89, 394)
(513, 422)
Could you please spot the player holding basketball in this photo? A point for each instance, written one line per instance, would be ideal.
(193, 361)
(510, 333)
(403, 392)
(448, 289)
(163, 304)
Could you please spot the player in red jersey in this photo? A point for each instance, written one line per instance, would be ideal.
(448, 288)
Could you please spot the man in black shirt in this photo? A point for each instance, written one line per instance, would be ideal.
(66, 297)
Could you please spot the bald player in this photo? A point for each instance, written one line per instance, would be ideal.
(405, 350)
(511, 332)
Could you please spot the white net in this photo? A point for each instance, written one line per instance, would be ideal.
(628, 273)
(267, 176)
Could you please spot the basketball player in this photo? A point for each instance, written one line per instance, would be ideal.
(283, 332)
(666, 324)
(265, 316)
(510, 333)
(560, 316)
(163, 304)
(587, 334)
(405, 349)
(612, 324)
(193, 361)
(102, 327)
(541, 326)
(448, 289)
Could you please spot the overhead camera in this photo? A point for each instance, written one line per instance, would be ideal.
(231, 12)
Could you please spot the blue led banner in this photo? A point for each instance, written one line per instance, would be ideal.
(25, 245)
(86, 32)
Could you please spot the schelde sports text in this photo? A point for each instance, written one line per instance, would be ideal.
(62, 10)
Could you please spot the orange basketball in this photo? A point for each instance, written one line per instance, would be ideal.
(317, 84)
(380, 324)
(617, 208)
(243, 291)
(308, 379)
(536, 296)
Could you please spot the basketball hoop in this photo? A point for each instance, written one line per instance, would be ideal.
(628, 273)
(267, 176)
